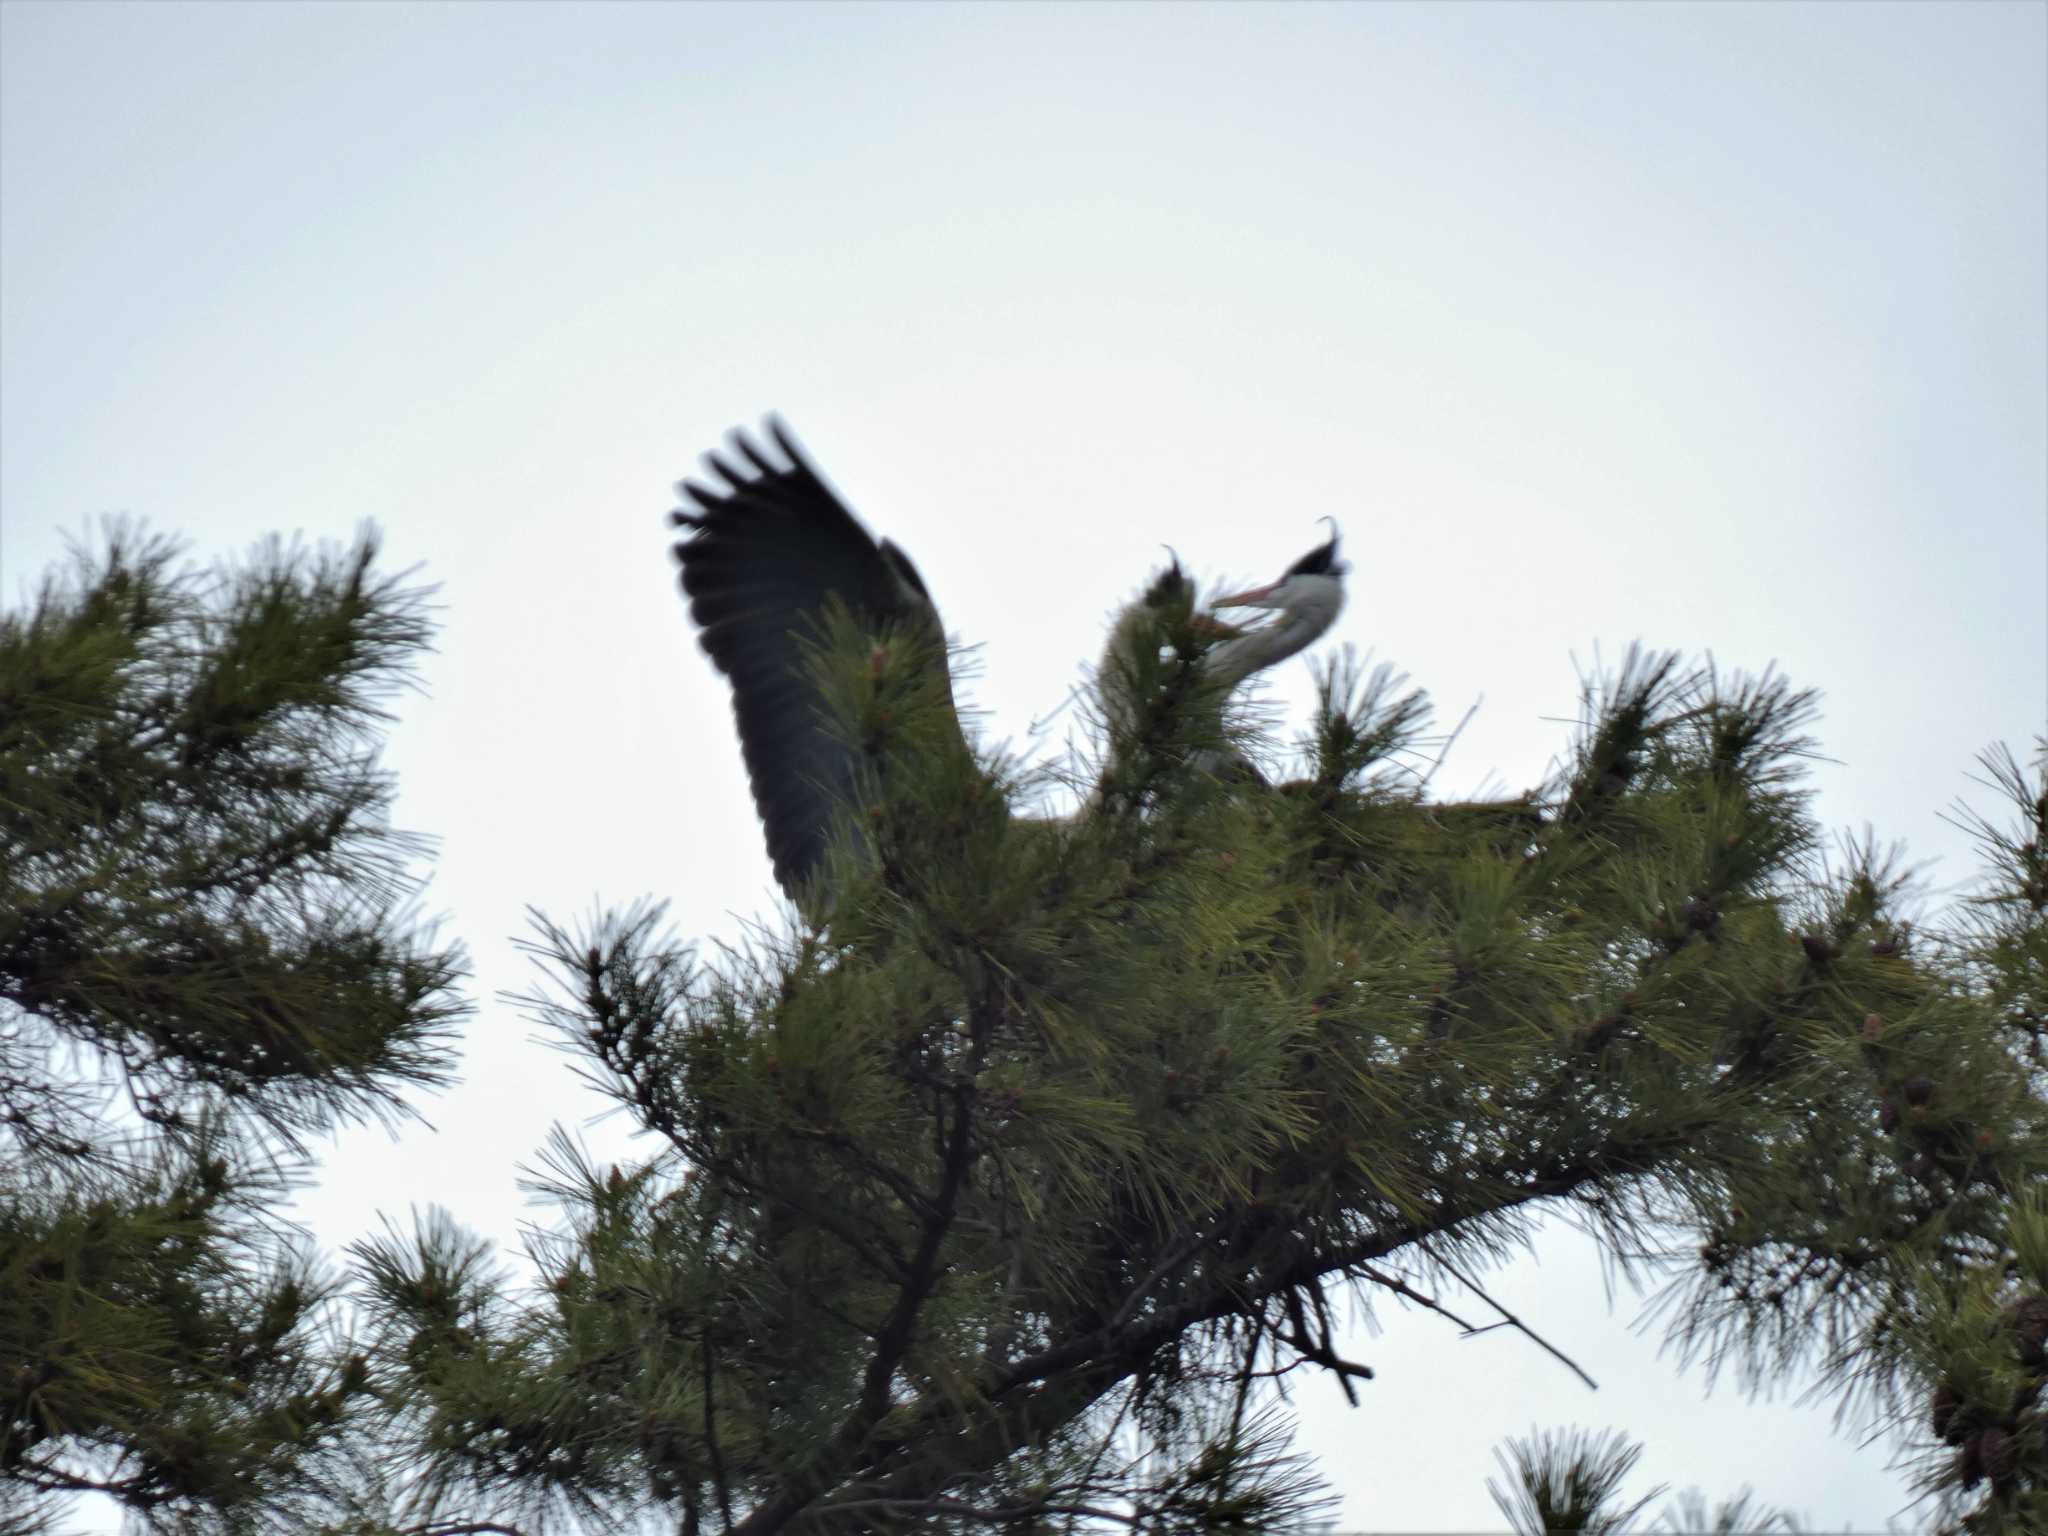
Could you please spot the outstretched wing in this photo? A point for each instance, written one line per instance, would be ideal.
(769, 545)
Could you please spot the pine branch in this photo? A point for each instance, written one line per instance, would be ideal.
(896, 1332)
(1042, 1393)
(1027, 1513)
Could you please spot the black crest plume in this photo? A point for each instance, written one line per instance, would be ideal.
(1320, 561)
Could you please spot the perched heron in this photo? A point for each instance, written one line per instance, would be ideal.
(1306, 600)
(769, 546)
(1308, 597)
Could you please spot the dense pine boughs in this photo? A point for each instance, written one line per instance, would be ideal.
(199, 880)
(996, 1188)
(205, 953)
(994, 1195)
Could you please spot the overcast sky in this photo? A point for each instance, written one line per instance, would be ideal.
(1718, 326)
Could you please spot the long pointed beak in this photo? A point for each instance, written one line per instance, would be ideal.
(1245, 598)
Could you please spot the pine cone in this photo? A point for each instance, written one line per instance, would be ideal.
(1998, 1453)
(2028, 1319)
(1945, 1414)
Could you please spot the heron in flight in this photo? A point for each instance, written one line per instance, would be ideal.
(769, 546)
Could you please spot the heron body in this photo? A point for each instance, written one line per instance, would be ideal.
(771, 549)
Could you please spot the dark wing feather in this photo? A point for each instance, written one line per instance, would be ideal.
(766, 551)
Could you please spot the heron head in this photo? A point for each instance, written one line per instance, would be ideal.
(1315, 581)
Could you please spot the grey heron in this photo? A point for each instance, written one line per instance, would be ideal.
(770, 546)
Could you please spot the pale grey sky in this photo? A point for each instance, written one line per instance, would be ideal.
(1718, 326)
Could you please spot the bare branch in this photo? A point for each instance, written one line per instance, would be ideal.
(1508, 1319)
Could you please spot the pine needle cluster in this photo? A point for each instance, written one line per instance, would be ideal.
(206, 955)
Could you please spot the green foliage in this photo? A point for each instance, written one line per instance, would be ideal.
(1963, 1333)
(989, 1196)
(199, 880)
(1568, 1480)
(205, 955)
(1571, 1481)
(997, 1190)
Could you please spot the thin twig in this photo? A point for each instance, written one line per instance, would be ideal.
(1001, 1514)
(1508, 1318)
(1401, 1287)
(1450, 741)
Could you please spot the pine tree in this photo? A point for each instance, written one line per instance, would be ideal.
(994, 1196)
(206, 956)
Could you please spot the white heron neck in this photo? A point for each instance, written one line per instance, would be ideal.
(1309, 606)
